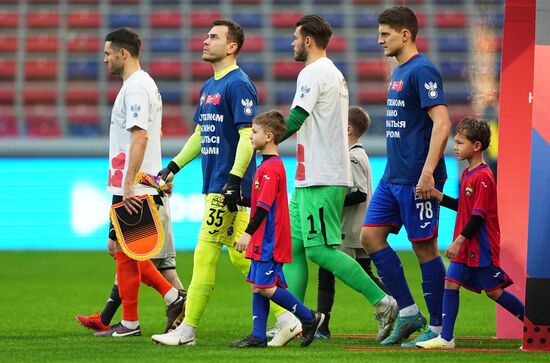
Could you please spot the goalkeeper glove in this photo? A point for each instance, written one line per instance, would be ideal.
(231, 192)
(167, 174)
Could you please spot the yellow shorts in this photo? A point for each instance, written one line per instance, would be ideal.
(220, 225)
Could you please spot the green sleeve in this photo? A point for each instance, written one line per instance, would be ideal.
(294, 121)
(244, 152)
(191, 149)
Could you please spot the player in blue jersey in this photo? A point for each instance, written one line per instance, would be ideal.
(417, 129)
(224, 114)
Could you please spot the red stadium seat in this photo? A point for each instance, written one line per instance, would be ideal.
(196, 43)
(254, 43)
(204, 19)
(8, 19)
(83, 1)
(338, 43)
(285, 19)
(7, 94)
(201, 70)
(421, 17)
(42, 43)
(174, 125)
(42, 126)
(84, 19)
(372, 68)
(83, 43)
(287, 69)
(422, 44)
(8, 68)
(43, 19)
(368, 1)
(166, 68)
(43, 1)
(165, 19)
(451, 19)
(41, 69)
(8, 43)
(83, 114)
(77, 94)
(372, 92)
(124, 1)
(33, 95)
(8, 124)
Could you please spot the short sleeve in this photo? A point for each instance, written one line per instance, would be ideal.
(269, 181)
(430, 87)
(137, 108)
(243, 103)
(484, 193)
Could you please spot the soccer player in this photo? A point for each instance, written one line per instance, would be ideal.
(355, 206)
(319, 115)
(227, 105)
(474, 253)
(417, 129)
(134, 145)
(267, 239)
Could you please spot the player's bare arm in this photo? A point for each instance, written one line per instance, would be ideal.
(440, 133)
(137, 151)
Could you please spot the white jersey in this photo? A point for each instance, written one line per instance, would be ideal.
(354, 215)
(138, 103)
(322, 150)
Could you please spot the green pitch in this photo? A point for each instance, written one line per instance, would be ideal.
(41, 292)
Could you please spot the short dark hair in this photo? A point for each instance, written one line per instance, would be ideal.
(474, 130)
(272, 121)
(359, 119)
(126, 38)
(399, 17)
(316, 27)
(235, 32)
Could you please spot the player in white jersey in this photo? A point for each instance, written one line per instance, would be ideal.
(134, 146)
(319, 115)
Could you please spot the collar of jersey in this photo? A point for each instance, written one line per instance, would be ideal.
(219, 75)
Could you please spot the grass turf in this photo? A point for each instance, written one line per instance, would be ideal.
(43, 291)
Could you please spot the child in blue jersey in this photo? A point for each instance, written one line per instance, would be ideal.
(417, 129)
(267, 239)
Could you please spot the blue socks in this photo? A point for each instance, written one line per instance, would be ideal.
(511, 303)
(260, 310)
(433, 284)
(451, 300)
(285, 299)
(390, 270)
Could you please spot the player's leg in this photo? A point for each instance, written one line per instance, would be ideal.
(494, 281)
(260, 311)
(325, 299)
(366, 264)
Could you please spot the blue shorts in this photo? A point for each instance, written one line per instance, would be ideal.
(395, 205)
(478, 278)
(265, 274)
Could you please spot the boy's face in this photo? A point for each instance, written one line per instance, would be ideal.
(259, 137)
(464, 148)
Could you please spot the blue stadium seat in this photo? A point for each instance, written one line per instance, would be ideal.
(492, 20)
(205, 2)
(118, 20)
(367, 45)
(165, 1)
(249, 19)
(83, 69)
(453, 69)
(342, 66)
(458, 96)
(166, 43)
(366, 20)
(255, 70)
(289, 2)
(171, 96)
(282, 44)
(444, 2)
(84, 130)
(452, 44)
(336, 20)
(284, 96)
(328, 2)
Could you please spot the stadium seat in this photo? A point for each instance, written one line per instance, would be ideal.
(452, 44)
(453, 69)
(284, 96)
(421, 18)
(81, 43)
(8, 68)
(77, 95)
(172, 96)
(124, 1)
(253, 43)
(166, 1)
(43, 1)
(255, 70)
(41, 69)
(43, 19)
(451, 19)
(283, 44)
(338, 43)
(364, 44)
(366, 20)
(196, 43)
(119, 20)
(7, 95)
(42, 126)
(8, 124)
(368, 1)
(458, 96)
(165, 19)
(372, 92)
(285, 69)
(84, 19)
(249, 19)
(251, 2)
(165, 69)
(42, 43)
(205, 2)
(285, 19)
(9, 19)
(8, 43)
(84, 114)
(336, 20)
(84, 129)
(42, 95)
(201, 70)
(328, 2)
(203, 18)
(83, 1)
(448, 2)
(174, 125)
(372, 69)
(166, 43)
(422, 44)
(83, 69)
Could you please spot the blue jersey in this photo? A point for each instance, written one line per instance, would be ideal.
(225, 106)
(415, 87)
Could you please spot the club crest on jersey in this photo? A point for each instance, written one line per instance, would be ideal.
(135, 109)
(304, 90)
(247, 106)
(432, 89)
(202, 99)
(257, 185)
(469, 190)
(213, 99)
(396, 86)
